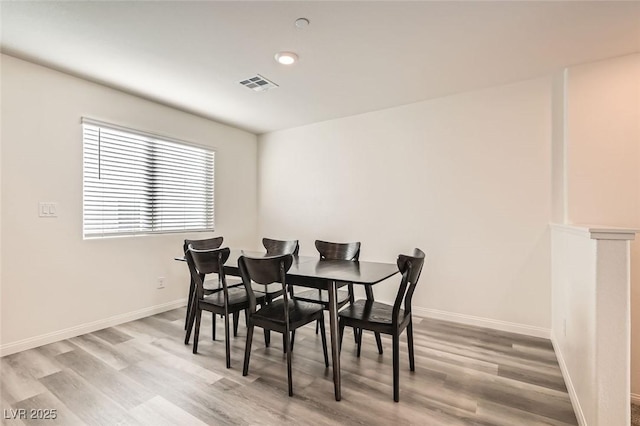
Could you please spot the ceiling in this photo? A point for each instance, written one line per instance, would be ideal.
(354, 56)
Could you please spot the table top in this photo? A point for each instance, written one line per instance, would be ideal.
(357, 272)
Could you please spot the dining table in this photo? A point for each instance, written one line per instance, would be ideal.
(329, 275)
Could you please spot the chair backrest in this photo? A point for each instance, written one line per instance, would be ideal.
(265, 270)
(410, 267)
(206, 244)
(338, 251)
(278, 247)
(207, 261)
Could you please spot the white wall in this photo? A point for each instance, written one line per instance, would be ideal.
(467, 178)
(52, 279)
(558, 147)
(603, 142)
(603, 161)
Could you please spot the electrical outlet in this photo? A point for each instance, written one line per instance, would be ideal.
(160, 283)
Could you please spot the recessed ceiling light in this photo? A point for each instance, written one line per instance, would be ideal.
(286, 58)
(302, 23)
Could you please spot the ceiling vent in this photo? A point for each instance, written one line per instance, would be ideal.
(258, 83)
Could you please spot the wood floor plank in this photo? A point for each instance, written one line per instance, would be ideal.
(16, 382)
(117, 387)
(112, 335)
(160, 412)
(101, 350)
(55, 348)
(39, 404)
(85, 400)
(502, 415)
(33, 362)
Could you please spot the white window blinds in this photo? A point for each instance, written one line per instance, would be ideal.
(138, 183)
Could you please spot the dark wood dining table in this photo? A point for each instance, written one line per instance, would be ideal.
(329, 275)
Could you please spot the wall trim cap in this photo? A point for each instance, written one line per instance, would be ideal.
(597, 232)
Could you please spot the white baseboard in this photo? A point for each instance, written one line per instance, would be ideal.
(635, 398)
(512, 327)
(44, 339)
(577, 408)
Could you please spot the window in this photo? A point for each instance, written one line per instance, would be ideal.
(139, 183)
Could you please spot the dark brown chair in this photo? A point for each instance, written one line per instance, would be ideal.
(338, 251)
(209, 286)
(281, 315)
(272, 291)
(278, 247)
(226, 301)
(382, 318)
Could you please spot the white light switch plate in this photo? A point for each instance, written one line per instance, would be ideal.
(48, 209)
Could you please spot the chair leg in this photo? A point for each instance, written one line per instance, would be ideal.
(227, 339)
(324, 342)
(287, 346)
(189, 304)
(213, 326)
(379, 343)
(412, 365)
(247, 349)
(196, 334)
(317, 325)
(358, 340)
(396, 367)
(293, 339)
(267, 337)
(356, 333)
(236, 320)
(192, 318)
(341, 325)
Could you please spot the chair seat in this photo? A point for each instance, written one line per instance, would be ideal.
(300, 313)
(321, 296)
(237, 296)
(371, 312)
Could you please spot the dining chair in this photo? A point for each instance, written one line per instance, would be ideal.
(338, 251)
(271, 291)
(225, 301)
(282, 315)
(278, 247)
(379, 317)
(209, 286)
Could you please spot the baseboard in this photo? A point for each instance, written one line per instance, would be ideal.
(512, 327)
(635, 398)
(567, 380)
(44, 339)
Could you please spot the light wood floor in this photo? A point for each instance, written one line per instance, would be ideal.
(142, 373)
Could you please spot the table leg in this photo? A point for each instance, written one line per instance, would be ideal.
(335, 351)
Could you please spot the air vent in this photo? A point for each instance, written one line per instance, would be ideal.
(258, 83)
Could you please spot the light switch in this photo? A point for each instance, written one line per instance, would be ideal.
(48, 209)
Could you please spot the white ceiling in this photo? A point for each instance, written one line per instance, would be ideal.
(354, 57)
